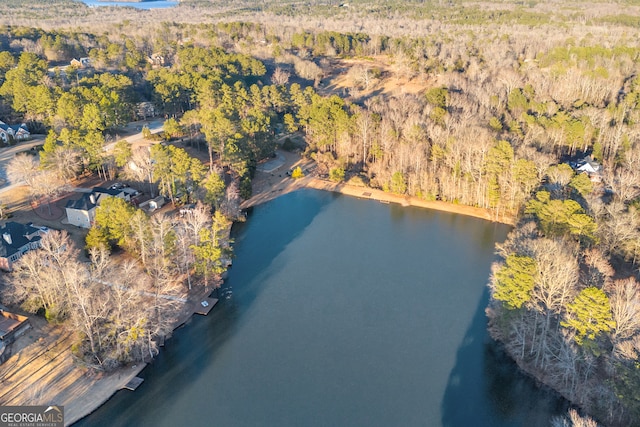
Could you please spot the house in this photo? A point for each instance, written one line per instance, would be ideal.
(156, 203)
(11, 327)
(18, 239)
(16, 132)
(590, 167)
(156, 60)
(82, 212)
(145, 110)
(20, 132)
(81, 63)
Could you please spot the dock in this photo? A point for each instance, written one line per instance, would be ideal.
(134, 383)
(204, 307)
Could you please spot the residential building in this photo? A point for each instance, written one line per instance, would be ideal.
(16, 239)
(81, 63)
(16, 132)
(589, 166)
(82, 212)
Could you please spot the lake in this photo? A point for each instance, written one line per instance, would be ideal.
(342, 312)
(137, 5)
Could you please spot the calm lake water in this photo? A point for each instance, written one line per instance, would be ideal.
(137, 5)
(342, 312)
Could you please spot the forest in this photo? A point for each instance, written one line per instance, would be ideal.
(495, 105)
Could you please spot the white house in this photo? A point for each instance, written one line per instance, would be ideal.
(590, 167)
(82, 212)
(81, 63)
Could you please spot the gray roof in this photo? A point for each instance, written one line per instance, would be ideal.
(19, 235)
(22, 126)
(85, 203)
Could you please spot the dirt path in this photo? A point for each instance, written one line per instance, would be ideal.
(44, 373)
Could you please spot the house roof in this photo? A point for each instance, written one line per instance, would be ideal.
(14, 128)
(20, 128)
(588, 164)
(109, 191)
(89, 201)
(84, 203)
(9, 322)
(14, 236)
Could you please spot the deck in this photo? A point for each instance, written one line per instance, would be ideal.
(134, 383)
(202, 309)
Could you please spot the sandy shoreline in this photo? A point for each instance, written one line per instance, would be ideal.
(268, 186)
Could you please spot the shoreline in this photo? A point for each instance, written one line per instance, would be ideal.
(108, 390)
(97, 390)
(382, 196)
(103, 389)
(268, 186)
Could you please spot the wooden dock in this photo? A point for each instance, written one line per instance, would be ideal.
(134, 383)
(204, 307)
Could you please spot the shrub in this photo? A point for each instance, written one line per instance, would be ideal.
(297, 173)
(336, 174)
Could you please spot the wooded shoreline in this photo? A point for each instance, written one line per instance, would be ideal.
(268, 187)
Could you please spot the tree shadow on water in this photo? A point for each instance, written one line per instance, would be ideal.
(191, 349)
(486, 388)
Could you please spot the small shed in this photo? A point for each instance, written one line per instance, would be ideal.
(156, 203)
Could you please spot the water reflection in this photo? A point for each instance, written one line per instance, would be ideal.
(343, 312)
(497, 393)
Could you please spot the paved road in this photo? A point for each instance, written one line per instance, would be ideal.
(8, 153)
(133, 132)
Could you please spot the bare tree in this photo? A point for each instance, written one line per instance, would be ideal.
(361, 76)
(22, 168)
(46, 184)
(230, 206)
(195, 220)
(141, 167)
(555, 286)
(280, 76)
(625, 307)
(65, 161)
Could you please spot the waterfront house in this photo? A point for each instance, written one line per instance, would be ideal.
(16, 240)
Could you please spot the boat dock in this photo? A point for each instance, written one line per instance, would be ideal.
(204, 307)
(134, 383)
